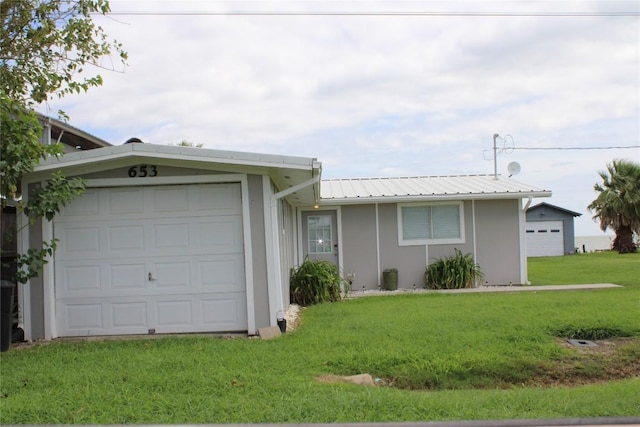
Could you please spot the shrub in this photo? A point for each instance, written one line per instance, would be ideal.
(315, 282)
(455, 272)
(590, 332)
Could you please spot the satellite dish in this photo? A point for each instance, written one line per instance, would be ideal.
(513, 168)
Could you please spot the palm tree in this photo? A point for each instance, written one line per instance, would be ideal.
(618, 204)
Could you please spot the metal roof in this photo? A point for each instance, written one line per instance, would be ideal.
(425, 188)
(73, 137)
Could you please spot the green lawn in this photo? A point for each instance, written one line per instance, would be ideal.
(438, 357)
(597, 267)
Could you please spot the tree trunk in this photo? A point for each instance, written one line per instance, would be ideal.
(623, 243)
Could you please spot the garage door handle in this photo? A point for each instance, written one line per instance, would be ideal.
(150, 277)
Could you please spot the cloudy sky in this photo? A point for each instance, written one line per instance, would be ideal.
(383, 88)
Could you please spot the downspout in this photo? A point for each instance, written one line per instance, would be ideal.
(378, 245)
(473, 226)
(523, 243)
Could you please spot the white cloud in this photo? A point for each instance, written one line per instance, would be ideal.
(381, 95)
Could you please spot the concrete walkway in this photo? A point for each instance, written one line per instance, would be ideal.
(516, 288)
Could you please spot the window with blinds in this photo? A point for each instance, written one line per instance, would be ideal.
(436, 223)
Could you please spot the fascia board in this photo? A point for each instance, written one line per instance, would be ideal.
(89, 161)
(434, 197)
(221, 156)
(178, 153)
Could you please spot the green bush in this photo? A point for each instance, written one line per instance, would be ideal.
(315, 282)
(455, 272)
(591, 332)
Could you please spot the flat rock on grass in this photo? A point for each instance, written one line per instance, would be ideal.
(269, 332)
(360, 379)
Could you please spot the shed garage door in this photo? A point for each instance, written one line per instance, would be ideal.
(163, 259)
(545, 238)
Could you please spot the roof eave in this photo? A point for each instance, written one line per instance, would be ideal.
(435, 197)
(550, 206)
(98, 142)
(197, 155)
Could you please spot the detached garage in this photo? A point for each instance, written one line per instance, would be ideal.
(167, 240)
(549, 230)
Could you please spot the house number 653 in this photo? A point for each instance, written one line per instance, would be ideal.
(143, 171)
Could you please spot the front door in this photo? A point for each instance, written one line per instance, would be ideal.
(319, 229)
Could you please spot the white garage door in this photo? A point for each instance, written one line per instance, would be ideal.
(545, 238)
(163, 259)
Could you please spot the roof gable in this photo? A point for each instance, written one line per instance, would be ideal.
(552, 207)
(285, 171)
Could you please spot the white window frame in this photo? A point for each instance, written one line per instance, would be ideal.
(420, 242)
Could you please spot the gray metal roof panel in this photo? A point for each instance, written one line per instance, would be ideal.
(426, 187)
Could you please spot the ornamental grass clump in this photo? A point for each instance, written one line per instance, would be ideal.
(455, 272)
(315, 282)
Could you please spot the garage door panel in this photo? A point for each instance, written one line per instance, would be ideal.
(86, 206)
(171, 236)
(80, 241)
(176, 314)
(173, 275)
(123, 238)
(224, 274)
(125, 201)
(223, 234)
(139, 315)
(83, 316)
(78, 280)
(194, 252)
(223, 312)
(81, 278)
(171, 199)
(221, 200)
(544, 238)
(198, 235)
(129, 315)
(126, 277)
(214, 273)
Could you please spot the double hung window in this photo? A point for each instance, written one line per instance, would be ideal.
(433, 223)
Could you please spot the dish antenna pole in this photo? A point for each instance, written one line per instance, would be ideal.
(495, 156)
(498, 150)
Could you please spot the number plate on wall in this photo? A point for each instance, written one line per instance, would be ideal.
(143, 171)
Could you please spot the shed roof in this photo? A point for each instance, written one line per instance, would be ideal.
(425, 188)
(74, 138)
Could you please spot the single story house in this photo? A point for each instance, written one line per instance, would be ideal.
(179, 239)
(550, 230)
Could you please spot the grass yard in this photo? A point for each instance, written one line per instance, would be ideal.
(596, 267)
(438, 357)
